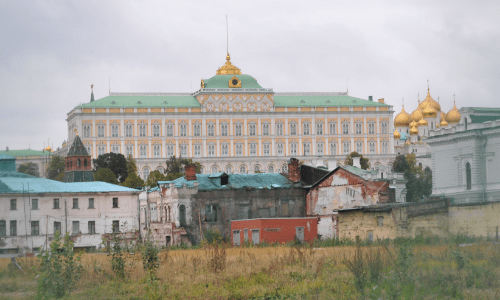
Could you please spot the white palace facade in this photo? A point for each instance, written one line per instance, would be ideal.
(234, 125)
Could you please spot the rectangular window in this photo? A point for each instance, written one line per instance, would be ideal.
(320, 149)
(385, 128)
(284, 208)
(307, 149)
(56, 203)
(380, 221)
(237, 129)
(183, 130)
(170, 151)
(197, 150)
(100, 131)
(347, 148)
(116, 226)
(128, 130)
(333, 149)
(170, 130)
(115, 149)
(280, 149)
(293, 149)
(13, 204)
(156, 151)
(57, 227)
(3, 228)
(371, 128)
(319, 128)
(197, 131)
(76, 227)
(253, 149)
(345, 128)
(358, 128)
(34, 203)
(267, 149)
(130, 150)
(211, 213)
(372, 148)
(13, 228)
(252, 129)
(223, 130)
(142, 130)
(75, 202)
(293, 129)
(265, 129)
(35, 228)
(211, 150)
(86, 131)
(225, 150)
(359, 148)
(333, 128)
(305, 129)
(385, 148)
(91, 227)
(211, 130)
(91, 202)
(115, 202)
(183, 150)
(142, 151)
(156, 130)
(279, 129)
(239, 150)
(114, 131)
(101, 150)
(236, 238)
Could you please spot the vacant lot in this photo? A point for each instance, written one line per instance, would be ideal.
(343, 272)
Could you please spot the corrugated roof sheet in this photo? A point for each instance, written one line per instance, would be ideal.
(143, 101)
(321, 101)
(236, 181)
(26, 152)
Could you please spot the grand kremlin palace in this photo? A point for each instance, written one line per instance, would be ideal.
(232, 124)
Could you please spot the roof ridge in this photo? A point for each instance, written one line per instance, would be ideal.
(148, 94)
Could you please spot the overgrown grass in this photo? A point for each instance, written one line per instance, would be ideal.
(392, 270)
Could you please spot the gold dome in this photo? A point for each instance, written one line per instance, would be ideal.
(416, 115)
(443, 122)
(443, 115)
(413, 131)
(228, 68)
(413, 124)
(429, 112)
(402, 119)
(453, 116)
(48, 149)
(422, 122)
(428, 101)
(397, 135)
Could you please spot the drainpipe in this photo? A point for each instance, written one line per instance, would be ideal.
(484, 141)
(65, 215)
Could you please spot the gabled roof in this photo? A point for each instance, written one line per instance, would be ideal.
(353, 170)
(77, 148)
(236, 181)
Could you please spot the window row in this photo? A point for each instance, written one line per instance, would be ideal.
(56, 203)
(35, 227)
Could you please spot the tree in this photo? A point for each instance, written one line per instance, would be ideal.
(133, 180)
(106, 175)
(55, 168)
(175, 167)
(364, 162)
(154, 177)
(116, 162)
(418, 180)
(29, 168)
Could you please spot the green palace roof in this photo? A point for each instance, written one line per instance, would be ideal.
(320, 100)
(135, 100)
(27, 152)
(222, 82)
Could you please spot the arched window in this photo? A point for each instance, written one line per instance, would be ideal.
(256, 169)
(229, 169)
(284, 169)
(85, 162)
(78, 163)
(160, 169)
(169, 218)
(145, 174)
(182, 215)
(468, 175)
(243, 170)
(215, 169)
(270, 169)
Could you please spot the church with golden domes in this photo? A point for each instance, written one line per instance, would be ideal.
(412, 129)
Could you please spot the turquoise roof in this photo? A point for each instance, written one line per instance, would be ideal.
(482, 119)
(222, 82)
(6, 157)
(27, 152)
(143, 101)
(358, 171)
(314, 100)
(403, 136)
(236, 181)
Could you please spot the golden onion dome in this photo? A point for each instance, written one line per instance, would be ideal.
(428, 101)
(413, 124)
(443, 122)
(429, 112)
(422, 122)
(416, 115)
(443, 115)
(48, 149)
(402, 119)
(453, 116)
(397, 135)
(413, 131)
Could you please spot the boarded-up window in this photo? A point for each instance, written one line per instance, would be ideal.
(243, 212)
(284, 208)
(245, 235)
(380, 221)
(264, 212)
(211, 213)
(299, 233)
(369, 236)
(255, 236)
(236, 237)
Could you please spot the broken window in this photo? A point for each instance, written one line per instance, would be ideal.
(211, 213)
(91, 227)
(369, 236)
(3, 228)
(35, 228)
(13, 228)
(115, 202)
(116, 226)
(57, 227)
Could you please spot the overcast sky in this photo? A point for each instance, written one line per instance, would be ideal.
(52, 51)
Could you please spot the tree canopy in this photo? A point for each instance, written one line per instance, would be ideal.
(364, 162)
(116, 162)
(29, 168)
(154, 177)
(175, 167)
(56, 168)
(106, 175)
(419, 180)
(133, 180)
